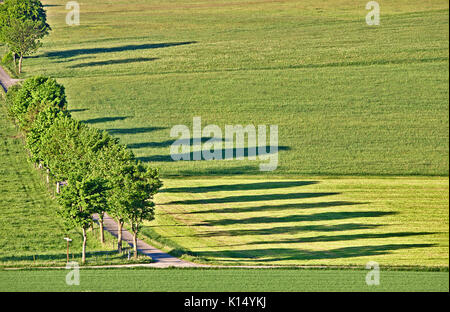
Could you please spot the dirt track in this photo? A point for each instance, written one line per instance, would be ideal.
(5, 80)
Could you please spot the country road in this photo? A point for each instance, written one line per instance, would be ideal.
(5, 80)
(160, 258)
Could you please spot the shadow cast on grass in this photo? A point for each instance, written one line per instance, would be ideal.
(250, 198)
(291, 230)
(78, 110)
(335, 238)
(226, 154)
(284, 254)
(298, 206)
(325, 216)
(114, 62)
(213, 172)
(104, 119)
(239, 187)
(147, 46)
(170, 142)
(134, 130)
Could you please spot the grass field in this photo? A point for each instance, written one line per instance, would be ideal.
(31, 233)
(230, 280)
(346, 221)
(349, 99)
(363, 118)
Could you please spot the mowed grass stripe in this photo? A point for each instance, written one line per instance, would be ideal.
(309, 221)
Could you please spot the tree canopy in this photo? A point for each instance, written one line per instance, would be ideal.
(22, 24)
(101, 174)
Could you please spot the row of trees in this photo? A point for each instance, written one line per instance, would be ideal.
(101, 175)
(23, 23)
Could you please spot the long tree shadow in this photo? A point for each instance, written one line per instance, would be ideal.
(251, 198)
(114, 62)
(76, 110)
(290, 230)
(168, 143)
(131, 47)
(298, 206)
(284, 254)
(226, 154)
(334, 238)
(134, 130)
(104, 119)
(218, 172)
(325, 216)
(238, 187)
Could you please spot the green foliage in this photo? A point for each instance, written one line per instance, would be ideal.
(8, 58)
(22, 36)
(22, 24)
(63, 150)
(82, 197)
(31, 233)
(136, 194)
(10, 98)
(10, 62)
(35, 95)
(40, 126)
(102, 175)
(22, 10)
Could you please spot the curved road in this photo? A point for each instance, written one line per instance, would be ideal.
(160, 258)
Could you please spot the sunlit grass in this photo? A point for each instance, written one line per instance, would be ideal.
(308, 221)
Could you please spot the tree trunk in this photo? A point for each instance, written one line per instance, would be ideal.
(119, 236)
(100, 222)
(135, 244)
(83, 254)
(15, 62)
(20, 64)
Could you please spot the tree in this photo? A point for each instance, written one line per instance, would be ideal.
(40, 126)
(22, 24)
(71, 146)
(82, 197)
(22, 38)
(138, 190)
(115, 163)
(24, 10)
(34, 96)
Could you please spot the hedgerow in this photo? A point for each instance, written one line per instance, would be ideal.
(101, 175)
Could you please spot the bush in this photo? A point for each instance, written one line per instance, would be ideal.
(8, 62)
(8, 58)
(102, 174)
(35, 95)
(10, 96)
(69, 146)
(39, 128)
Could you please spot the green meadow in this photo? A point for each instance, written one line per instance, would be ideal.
(349, 99)
(363, 119)
(327, 221)
(223, 280)
(31, 232)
